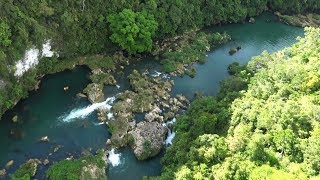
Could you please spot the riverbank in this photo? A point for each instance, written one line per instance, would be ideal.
(301, 20)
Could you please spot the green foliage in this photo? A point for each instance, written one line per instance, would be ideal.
(5, 34)
(103, 78)
(25, 171)
(72, 169)
(191, 72)
(312, 152)
(271, 110)
(133, 31)
(192, 49)
(270, 173)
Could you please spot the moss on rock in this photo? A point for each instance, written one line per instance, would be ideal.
(94, 92)
(26, 170)
(86, 167)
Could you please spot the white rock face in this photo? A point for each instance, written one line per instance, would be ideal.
(31, 58)
(46, 49)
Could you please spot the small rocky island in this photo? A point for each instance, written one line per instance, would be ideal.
(149, 95)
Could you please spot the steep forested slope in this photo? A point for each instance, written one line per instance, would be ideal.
(264, 123)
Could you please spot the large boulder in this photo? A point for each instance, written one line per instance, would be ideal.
(9, 164)
(154, 115)
(94, 92)
(252, 20)
(92, 171)
(2, 173)
(148, 139)
(120, 128)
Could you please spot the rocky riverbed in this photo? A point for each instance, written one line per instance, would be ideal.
(149, 95)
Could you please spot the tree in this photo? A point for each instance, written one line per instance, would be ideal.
(5, 34)
(133, 31)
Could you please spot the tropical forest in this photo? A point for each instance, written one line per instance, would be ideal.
(160, 89)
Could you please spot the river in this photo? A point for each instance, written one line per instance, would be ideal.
(43, 113)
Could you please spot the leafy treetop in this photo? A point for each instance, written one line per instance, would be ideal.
(133, 31)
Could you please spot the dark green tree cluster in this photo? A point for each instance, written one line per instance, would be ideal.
(264, 123)
(133, 31)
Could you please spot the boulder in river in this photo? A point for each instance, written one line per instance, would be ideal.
(252, 20)
(15, 119)
(57, 148)
(154, 115)
(108, 143)
(44, 139)
(94, 92)
(9, 164)
(45, 162)
(148, 139)
(3, 172)
(81, 95)
(233, 51)
(66, 88)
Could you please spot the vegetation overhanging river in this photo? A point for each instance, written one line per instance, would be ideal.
(42, 111)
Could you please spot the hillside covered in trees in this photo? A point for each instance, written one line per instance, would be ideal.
(264, 123)
(90, 27)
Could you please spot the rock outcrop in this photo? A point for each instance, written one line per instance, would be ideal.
(149, 95)
(300, 20)
(92, 171)
(44, 139)
(3, 172)
(252, 20)
(148, 138)
(94, 92)
(154, 115)
(9, 164)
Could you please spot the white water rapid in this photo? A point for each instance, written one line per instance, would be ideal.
(84, 112)
(114, 158)
(159, 74)
(171, 134)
